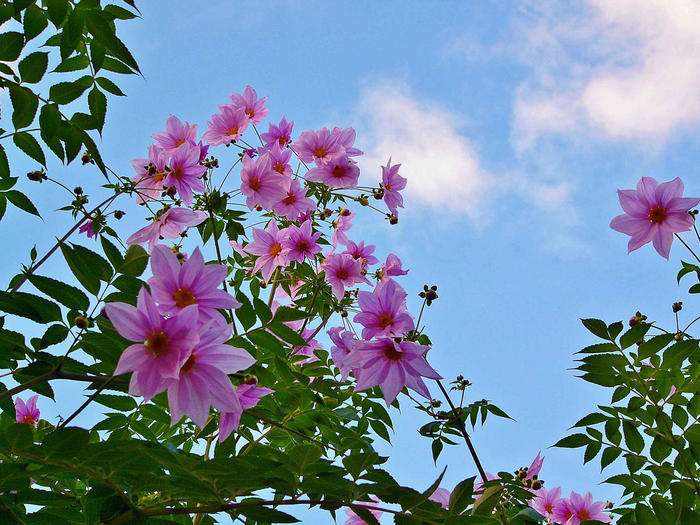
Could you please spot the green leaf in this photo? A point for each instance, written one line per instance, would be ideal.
(123, 403)
(573, 441)
(653, 345)
(72, 33)
(57, 10)
(4, 164)
(262, 310)
(135, 261)
(596, 327)
(65, 92)
(488, 500)
(610, 454)
(3, 205)
(634, 334)
(67, 295)
(82, 267)
(20, 200)
(65, 442)
(367, 517)
(30, 146)
(103, 33)
(30, 306)
(110, 86)
(591, 451)
(633, 438)
(660, 449)
(119, 12)
(97, 55)
(111, 64)
(54, 334)
(98, 106)
(591, 419)
(11, 44)
(285, 313)
(34, 22)
(262, 514)
(75, 63)
(461, 496)
(33, 66)
(287, 334)
(24, 104)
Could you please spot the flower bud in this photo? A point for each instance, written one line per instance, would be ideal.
(344, 212)
(258, 208)
(393, 219)
(118, 214)
(328, 212)
(80, 322)
(378, 193)
(36, 176)
(677, 307)
(363, 200)
(171, 191)
(78, 190)
(86, 159)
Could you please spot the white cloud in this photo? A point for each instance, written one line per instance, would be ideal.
(622, 69)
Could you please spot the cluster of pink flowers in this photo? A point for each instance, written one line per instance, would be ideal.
(573, 510)
(180, 341)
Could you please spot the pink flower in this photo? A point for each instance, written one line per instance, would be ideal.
(392, 366)
(654, 212)
(546, 501)
(384, 311)
(300, 242)
(163, 345)
(249, 102)
(342, 271)
(354, 519)
(346, 138)
(176, 134)
(226, 126)
(579, 509)
(150, 173)
(534, 469)
(294, 202)
(319, 146)
(261, 184)
(281, 134)
(343, 224)
(392, 267)
(268, 246)
(392, 183)
(248, 395)
(343, 340)
(203, 380)
(89, 229)
(185, 172)
(168, 226)
(361, 252)
(27, 412)
(176, 286)
(441, 496)
(279, 160)
(338, 172)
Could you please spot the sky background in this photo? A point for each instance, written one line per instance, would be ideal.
(515, 123)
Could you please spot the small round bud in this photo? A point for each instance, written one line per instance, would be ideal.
(251, 380)
(378, 193)
(677, 307)
(328, 212)
(118, 214)
(86, 159)
(536, 484)
(36, 176)
(344, 212)
(678, 337)
(258, 208)
(171, 191)
(78, 190)
(634, 321)
(343, 314)
(80, 322)
(393, 219)
(363, 200)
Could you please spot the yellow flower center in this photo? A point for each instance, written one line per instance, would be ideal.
(320, 152)
(179, 143)
(275, 249)
(158, 343)
(233, 130)
(183, 298)
(254, 184)
(657, 214)
(385, 320)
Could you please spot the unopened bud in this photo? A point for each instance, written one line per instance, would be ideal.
(393, 219)
(118, 214)
(258, 208)
(343, 314)
(363, 200)
(171, 191)
(80, 322)
(78, 190)
(677, 307)
(36, 176)
(86, 159)
(344, 212)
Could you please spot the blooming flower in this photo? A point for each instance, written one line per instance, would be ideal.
(261, 185)
(338, 172)
(279, 160)
(226, 126)
(176, 134)
(392, 366)
(341, 271)
(162, 345)
(281, 134)
(346, 138)
(441, 496)
(168, 226)
(185, 172)
(150, 173)
(361, 252)
(27, 412)
(176, 286)
(268, 246)
(249, 102)
(343, 224)
(384, 311)
(546, 501)
(248, 396)
(319, 146)
(89, 229)
(295, 202)
(301, 242)
(579, 509)
(392, 267)
(203, 380)
(392, 183)
(343, 340)
(654, 212)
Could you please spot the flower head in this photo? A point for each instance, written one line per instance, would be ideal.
(261, 184)
(176, 286)
(546, 501)
(89, 229)
(361, 252)
(654, 212)
(248, 396)
(392, 267)
(338, 172)
(227, 126)
(346, 138)
(168, 226)
(249, 102)
(342, 225)
(279, 160)
(343, 340)
(392, 183)
(281, 135)
(268, 245)
(27, 412)
(576, 509)
(301, 242)
(176, 134)
(317, 146)
(384, 311)
(294, 202)
(185, 172)
(150, 173)
(342, 271)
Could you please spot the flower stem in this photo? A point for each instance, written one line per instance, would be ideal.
(686, 245)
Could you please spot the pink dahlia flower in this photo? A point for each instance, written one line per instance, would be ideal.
(248, 396)
(392, 183)
(579, 509)
(546, 501)
(338, 173)
(150, 173)
(441, 496)
(162, 345)
(225, 127)
(300, 242)
(203, 380)
(346, 138)
(89, 229)
(392, 267)
(361, 252)
(176, 286)
(27, 412)
(281, 135)
(249, 102)
(295, 202)
(392, 366)
(342, 271)
(317, 146)
(261, 185)
(176, 134)
(279, 160)
(185, 172)
(654, 212)
(343, 340)
(168, 226)
(268, 246)
(342, 225)
(535, 467)
(384, 311)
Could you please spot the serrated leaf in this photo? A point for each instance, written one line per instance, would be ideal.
(34, 22)
(33, 66)
(30, 146)
(67, 295)
(11, 44)
(30, 306)
(135, 261)
(634, 334)
(24, 104)
(596, 327)
(610, 454)
(75, 63)
(57, 11)
(4, 164)
(20, 200)
(66, 92)
(72, 32)
(110, 86)
(287, 334)
(97, 103)
(573, 441)
(103, 33)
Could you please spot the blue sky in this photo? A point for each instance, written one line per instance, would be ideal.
(515, 123)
